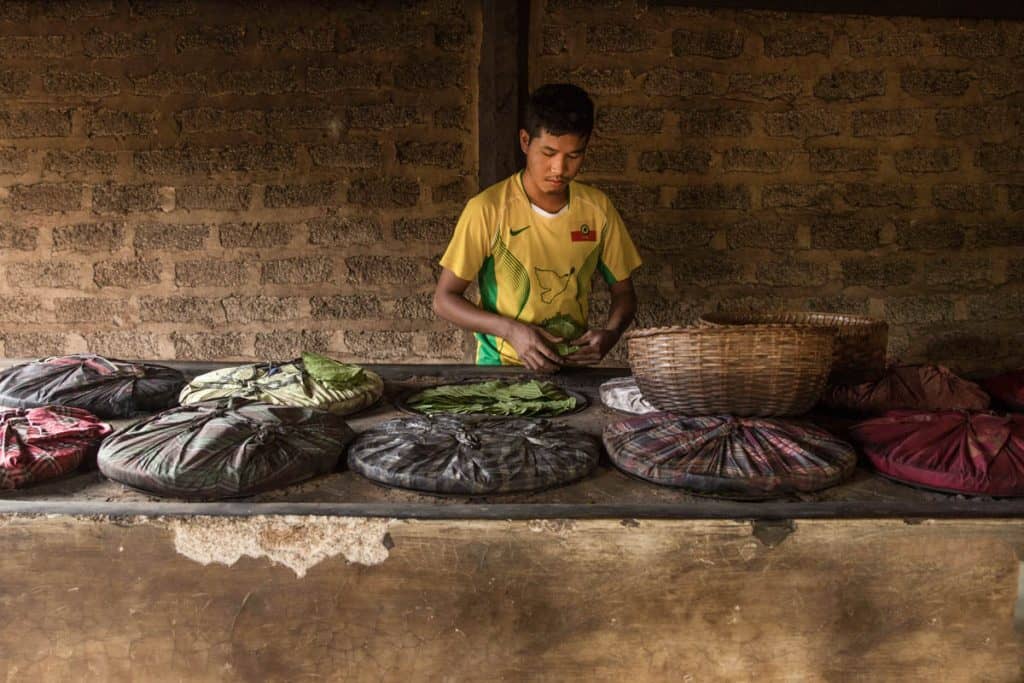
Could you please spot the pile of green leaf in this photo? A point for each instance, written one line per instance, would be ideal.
(496, 397)
(568, 329)
(332, 373)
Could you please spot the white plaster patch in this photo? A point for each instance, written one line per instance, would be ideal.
(559, 527)
(297, 542)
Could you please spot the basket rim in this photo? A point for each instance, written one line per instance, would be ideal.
(724, 330)
(841, 320)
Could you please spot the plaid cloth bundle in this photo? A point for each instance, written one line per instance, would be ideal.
(976, 453)
(105, 387)
(448, 454)
(224, 449)
(729, 456)
(43, 443)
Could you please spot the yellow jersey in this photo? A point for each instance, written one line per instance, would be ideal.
(531, 265)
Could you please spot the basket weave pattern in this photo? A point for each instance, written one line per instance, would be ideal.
(748, 370)
(860, 342)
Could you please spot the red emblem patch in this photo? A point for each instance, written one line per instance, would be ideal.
(584, 234)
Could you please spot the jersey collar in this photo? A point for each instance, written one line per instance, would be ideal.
(522, 188)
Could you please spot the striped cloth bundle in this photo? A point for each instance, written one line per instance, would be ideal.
(106, 387)
(729, 456)
(224, 449)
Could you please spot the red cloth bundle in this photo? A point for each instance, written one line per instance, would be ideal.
(908, 387)
(43, 443)
(977, 453)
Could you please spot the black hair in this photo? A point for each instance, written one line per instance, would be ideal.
(560, 109)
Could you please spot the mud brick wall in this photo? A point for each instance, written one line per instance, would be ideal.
(231, 180)
(809, 161)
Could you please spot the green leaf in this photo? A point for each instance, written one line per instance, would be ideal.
(328, 371)
(494, 397)
(568, 329)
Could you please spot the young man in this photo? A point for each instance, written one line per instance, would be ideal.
(533, 242)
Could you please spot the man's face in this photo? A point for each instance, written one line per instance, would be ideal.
(552, 160)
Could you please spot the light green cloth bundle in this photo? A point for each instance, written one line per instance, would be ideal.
(314, 381)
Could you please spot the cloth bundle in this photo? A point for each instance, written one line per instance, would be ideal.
(497, 397)
(1007, 389)
(727, 456)
(624, 395)
(37, 444)
(105, 387)
(314, 381)
(955, 451)
(916, 387)
(448, 454)
(224, 449)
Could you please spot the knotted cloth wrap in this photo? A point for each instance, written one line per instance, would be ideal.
(448, 454)
(624, 395)
(105, 387)
(916, 387)
(42, 443)
(964, 452)
(224, 449)
(290, 384)
(729, 456)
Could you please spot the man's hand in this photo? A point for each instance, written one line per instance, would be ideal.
(533, 345)
(594, 345)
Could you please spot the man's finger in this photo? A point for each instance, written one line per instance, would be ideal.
(547, 335)
(549, 354)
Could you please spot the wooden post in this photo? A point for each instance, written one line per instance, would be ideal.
(503, 86)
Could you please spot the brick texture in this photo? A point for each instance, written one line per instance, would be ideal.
(200, 181)
(770, 161)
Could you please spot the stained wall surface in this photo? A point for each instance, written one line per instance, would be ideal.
(811, 161)
(226, 180)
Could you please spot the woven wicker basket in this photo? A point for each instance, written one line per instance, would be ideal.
(859, 347)
(748, 370)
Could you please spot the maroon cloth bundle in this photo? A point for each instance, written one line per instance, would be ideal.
(1007, 389)
(978, 453)
(908, 387)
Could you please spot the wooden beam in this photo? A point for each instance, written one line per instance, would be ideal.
(291, 599)
(503, 87)
(979, 9)
(716, 509)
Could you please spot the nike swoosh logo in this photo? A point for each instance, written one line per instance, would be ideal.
(516, 232)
